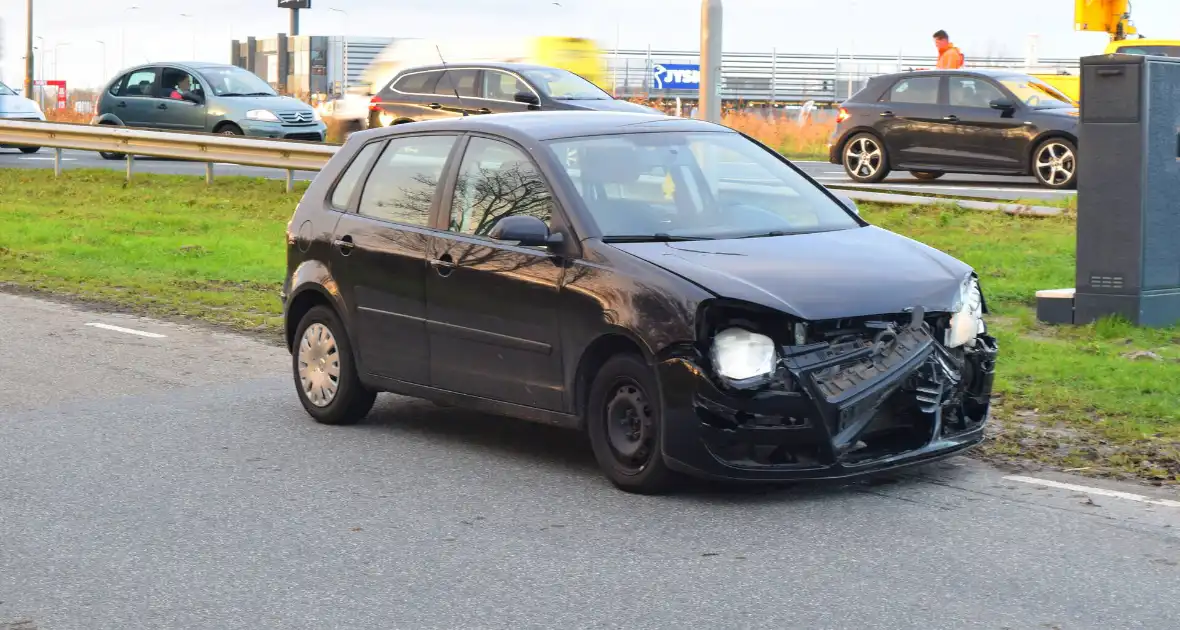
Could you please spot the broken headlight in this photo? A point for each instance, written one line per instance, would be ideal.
(967, 322)
(740, 355)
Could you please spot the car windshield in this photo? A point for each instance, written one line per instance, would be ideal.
(693, 185)
(226, 81)
(1036, 93)
(6, 91)
(564, 85)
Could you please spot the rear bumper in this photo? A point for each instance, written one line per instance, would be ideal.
(817, 433)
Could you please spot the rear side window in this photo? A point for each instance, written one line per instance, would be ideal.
(418, 83)
(138, 83)
(461, 81)
(403, 182)
(915, 90)
(342, 194)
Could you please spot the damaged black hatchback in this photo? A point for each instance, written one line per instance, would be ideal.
(679, 291)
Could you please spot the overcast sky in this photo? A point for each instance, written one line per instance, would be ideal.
(158, 31)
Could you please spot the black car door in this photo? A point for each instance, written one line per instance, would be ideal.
(136, 102)
(985, 138)
(493, 311)
(379, 255)
(910, 120)
(456, 94)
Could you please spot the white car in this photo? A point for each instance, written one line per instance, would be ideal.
(13, 106)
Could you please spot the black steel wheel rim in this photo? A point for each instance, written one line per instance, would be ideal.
(630, 426)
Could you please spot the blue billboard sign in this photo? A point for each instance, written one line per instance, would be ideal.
(676, 76)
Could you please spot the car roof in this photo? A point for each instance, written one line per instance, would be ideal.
(494, 65)
(984, 72)
(549, 125)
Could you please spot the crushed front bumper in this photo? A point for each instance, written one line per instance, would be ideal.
(832, 412)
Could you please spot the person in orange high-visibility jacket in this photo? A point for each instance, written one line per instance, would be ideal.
(949, 57)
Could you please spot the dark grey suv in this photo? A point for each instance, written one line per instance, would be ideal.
(205, 97)
(432, 92)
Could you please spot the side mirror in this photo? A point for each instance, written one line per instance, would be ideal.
(1003, 104)
(848, 202)
(526, 97)
(524, 230)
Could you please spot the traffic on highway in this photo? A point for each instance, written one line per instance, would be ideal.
(469, 331)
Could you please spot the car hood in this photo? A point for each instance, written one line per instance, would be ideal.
(14, 106)
(272, 103)
(824, 275)
(611, 105)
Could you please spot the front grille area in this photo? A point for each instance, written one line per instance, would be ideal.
(297, 118)
(313, 136)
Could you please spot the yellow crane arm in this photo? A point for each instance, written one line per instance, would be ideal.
(1108, 16)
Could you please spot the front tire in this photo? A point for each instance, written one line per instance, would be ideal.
(230, 129)
(1055, 164)
(624, 419)
(865, 159)
(325, 370)
(29, 150)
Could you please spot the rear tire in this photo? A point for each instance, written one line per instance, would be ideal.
(29, 150)
(865, 159)
(926, 176)
(325, 370)
(1055, 164)
(624, 419)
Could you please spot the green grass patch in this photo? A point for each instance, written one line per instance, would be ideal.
(1103, 398)
(163, 245)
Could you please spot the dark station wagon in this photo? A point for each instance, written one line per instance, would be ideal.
(681, 292)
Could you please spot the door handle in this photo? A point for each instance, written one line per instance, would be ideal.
(886, 114)
(951, 118)
(444, 265)
(162, 106)
(121, 104)
(344, 244)
(434, 106)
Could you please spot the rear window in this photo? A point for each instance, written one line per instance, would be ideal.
(915, 90)
(417, 83)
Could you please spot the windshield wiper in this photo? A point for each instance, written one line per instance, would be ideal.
(652, 238)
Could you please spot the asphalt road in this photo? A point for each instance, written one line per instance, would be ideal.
(828, 174)
(173, 481)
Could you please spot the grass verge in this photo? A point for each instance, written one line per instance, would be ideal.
(1100, 398)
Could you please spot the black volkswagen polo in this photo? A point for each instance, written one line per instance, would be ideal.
(679, 291)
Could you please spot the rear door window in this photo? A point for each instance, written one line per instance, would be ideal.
(404, 181)
(138, 84)
(915, 91)
(461, 81)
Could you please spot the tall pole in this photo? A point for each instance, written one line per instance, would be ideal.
(344, 44)
(123, 37)
(104, 60)
(710, 95)
(29, 67)
(294, 22)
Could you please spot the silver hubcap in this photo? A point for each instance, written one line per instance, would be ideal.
(863, 157)
(1055, 164)
(319, 365)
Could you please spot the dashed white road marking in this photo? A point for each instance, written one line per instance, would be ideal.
(1095, 491)
(129, 331)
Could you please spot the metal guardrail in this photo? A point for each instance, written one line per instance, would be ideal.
(289, 155)
(793, 78)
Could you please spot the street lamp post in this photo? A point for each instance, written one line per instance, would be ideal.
(104, 58)
(344, 44)
(710, 94)
(56, 56)
(123, 37)
(192, 24)
(29, 67)
(40, 71)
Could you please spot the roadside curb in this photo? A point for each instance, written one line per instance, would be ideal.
(967, 204)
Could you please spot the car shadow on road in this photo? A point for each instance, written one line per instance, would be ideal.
(569, 451)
